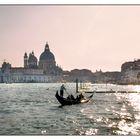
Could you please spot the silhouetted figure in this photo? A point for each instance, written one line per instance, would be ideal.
(62, 88)
(79, 97)
(71, 97)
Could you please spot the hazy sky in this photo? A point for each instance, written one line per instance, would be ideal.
(80, 36)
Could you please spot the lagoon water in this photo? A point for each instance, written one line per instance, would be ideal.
(32, 109)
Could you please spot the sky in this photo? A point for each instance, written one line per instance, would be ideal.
(90, 37)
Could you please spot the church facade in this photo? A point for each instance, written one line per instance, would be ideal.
(46, 62)
(42, 71)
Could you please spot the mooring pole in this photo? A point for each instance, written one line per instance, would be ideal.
(77, 85)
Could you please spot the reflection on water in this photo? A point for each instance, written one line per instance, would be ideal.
(33, 109)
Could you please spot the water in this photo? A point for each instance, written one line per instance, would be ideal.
(32, 109)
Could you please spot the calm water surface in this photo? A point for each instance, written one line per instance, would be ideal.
(32, 109)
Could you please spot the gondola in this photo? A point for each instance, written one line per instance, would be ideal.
(64, 101)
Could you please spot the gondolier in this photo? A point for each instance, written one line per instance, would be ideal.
(62, 88)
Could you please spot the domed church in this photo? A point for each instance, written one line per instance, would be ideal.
(46, 62)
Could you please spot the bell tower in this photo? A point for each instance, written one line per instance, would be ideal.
(25, 60)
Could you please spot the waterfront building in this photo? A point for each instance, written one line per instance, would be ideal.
(130, 77)
(83, 75)
(0, 76)
(131, 65)
(47, 61)
(130, 72)
(43, 71)
(21, 75)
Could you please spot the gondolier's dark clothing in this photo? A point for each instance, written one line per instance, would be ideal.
(62, 88)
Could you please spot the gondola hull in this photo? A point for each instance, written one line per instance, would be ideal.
(63, 101)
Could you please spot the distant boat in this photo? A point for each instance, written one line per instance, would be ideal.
(71, 101)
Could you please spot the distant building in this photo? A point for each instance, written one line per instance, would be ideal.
(132, 65)
(107, 77)
(30, 62)
(1, 76)
(83, 75)
(46, 62)
(45, 70)
(33, 71)
(130, 77)
(130, 72)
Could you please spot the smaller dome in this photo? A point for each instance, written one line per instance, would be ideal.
(25, 55)
(32, 58)
(47, 54)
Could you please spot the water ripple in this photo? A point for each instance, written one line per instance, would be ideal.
(32, 109)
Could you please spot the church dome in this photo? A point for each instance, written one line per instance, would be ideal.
(47, 54)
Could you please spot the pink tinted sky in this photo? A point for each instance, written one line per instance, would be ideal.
(80, 36)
